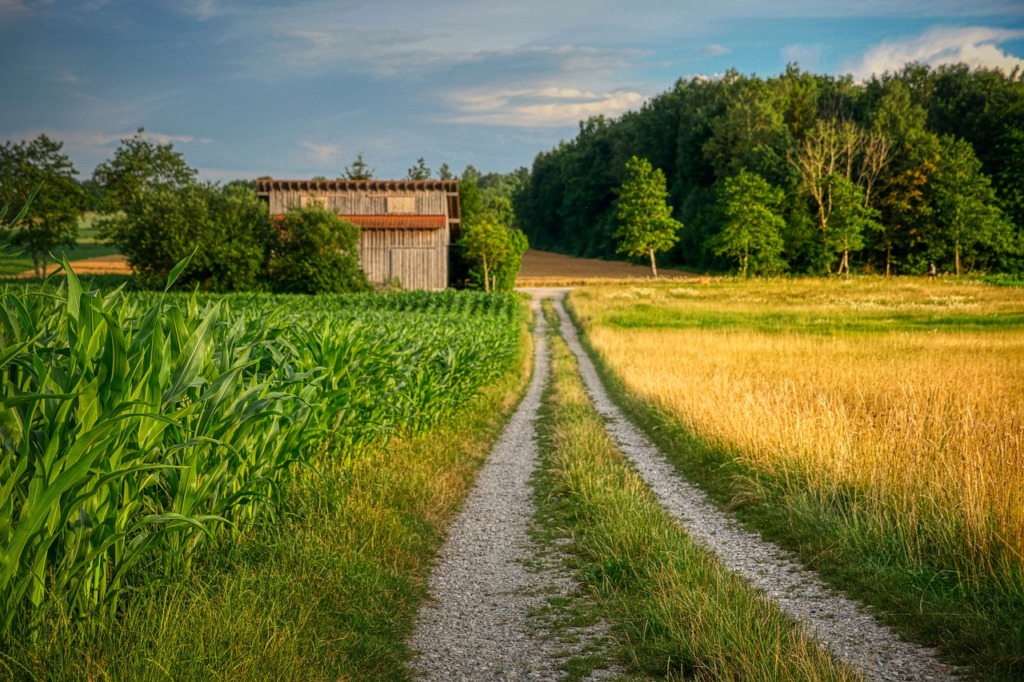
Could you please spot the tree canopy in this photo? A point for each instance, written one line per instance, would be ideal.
(863, 169)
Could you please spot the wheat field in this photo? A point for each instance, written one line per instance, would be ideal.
(906, 396)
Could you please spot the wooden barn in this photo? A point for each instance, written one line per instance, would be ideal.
(407, 226)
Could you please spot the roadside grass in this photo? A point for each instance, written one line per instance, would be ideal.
(673, 610)
(891, 461)
(326, 591)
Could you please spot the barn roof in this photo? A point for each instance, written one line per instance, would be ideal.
(265, 185)
(370, 222)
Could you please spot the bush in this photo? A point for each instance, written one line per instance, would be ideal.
(226, 227)
(316, 252)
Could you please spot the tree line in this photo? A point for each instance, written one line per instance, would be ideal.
(805, 173)
(154, 209)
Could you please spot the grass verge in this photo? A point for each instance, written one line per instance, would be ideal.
(673, 609)
(975, 622)
(328, 592)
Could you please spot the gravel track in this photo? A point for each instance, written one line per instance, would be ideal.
(491, 576)
(838, 623)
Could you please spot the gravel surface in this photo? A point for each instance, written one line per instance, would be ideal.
(838, 623)
(491, 576)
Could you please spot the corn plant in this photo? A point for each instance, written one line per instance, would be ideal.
(135, 427)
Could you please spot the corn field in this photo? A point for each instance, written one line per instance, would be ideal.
(136, 427)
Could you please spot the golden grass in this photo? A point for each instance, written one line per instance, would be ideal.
(927, 425)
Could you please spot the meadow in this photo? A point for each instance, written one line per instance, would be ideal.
(148, 436)
(876, 426)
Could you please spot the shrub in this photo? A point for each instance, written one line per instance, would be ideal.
(316, 252)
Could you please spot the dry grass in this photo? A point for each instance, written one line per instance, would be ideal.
(912, 397)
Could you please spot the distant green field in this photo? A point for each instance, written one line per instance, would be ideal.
(14, 260)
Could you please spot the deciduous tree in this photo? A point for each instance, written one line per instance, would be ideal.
(752, 228)
(965, 207)
(493, 252)
(51, 218)
(646, 225)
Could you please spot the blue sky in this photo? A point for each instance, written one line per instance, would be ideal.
(294, 89)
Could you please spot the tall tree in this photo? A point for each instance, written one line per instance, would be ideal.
(752, 224)
(51, 218)
(419, 171)
(445, 173)
(851, 219)
(966, 210)
(359, 170)
(828, 152)
(646, 225)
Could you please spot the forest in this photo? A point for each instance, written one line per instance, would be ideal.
(921, 166)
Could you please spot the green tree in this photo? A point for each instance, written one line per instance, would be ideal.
(51, 220)
(494, 253)
(445, 173)
(752, 229)
(419, 171)
(317, 252)
(140, 166)
(646, 225)
(966, 210)
(851, 219)
(359, 170)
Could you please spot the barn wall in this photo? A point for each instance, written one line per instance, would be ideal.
(418, 259)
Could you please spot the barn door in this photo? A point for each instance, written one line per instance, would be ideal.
(415, 268)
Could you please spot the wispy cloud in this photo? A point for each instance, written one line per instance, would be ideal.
(714, 50)
(543, 107)
(976, 47)
(319, 153)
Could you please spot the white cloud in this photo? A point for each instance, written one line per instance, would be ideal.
(540, 107)
(320, 153)
(715, 50)
(976, 47)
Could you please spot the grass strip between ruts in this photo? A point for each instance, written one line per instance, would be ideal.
(672, 608)
(329, 592)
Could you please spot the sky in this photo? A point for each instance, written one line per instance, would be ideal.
(245, 88)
